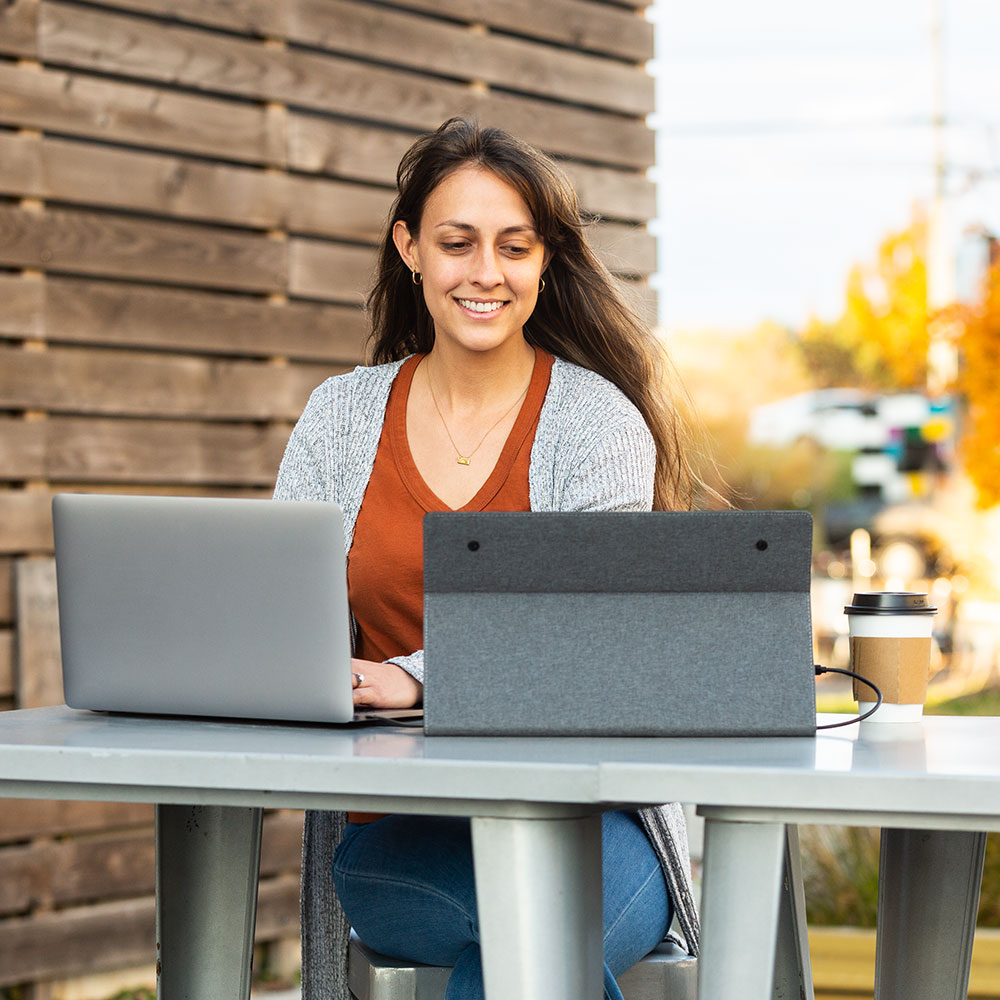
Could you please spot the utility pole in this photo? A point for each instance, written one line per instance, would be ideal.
(942, 355)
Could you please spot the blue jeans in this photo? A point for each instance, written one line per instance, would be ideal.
(406, 884)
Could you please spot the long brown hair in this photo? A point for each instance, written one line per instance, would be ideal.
(580, 316)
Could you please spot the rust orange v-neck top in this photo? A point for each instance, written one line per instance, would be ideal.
(386, 563)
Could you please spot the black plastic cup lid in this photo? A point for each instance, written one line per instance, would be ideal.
(888, 603)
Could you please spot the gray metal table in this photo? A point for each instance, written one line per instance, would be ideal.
(934, 787)
(535, 824)
(535, 806)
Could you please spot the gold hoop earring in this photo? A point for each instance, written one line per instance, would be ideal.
(417, 278)
(541, 285)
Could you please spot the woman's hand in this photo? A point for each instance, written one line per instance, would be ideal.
(384, 685)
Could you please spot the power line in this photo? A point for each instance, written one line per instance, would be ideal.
(801, 127)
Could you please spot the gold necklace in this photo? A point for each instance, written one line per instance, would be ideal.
(467, 459)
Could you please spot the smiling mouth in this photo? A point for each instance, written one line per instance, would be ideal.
(481, 307)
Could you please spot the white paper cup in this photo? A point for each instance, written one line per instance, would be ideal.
(890, 635)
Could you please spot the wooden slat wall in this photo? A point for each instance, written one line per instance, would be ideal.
(190, 194)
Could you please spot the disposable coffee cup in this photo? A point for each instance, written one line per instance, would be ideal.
(890, 636)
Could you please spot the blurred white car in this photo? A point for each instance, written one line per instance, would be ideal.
(838, 419)
(903, 409)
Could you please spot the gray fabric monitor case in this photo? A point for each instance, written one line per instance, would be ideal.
(637, 624)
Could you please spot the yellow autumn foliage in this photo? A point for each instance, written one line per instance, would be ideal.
(980, 383)
(880, 340)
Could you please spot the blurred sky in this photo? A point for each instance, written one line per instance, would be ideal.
(793, 135)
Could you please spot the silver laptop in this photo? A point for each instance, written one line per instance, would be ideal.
(204, 607)
(618, 624)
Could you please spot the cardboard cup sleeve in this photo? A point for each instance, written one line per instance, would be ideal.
(898, 666)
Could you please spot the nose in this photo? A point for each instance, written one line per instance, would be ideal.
(486, 270)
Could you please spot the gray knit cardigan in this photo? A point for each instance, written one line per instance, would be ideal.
(592, 451)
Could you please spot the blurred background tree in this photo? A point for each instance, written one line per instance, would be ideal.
(980, 383)
(878, 344)
(880, 340)
(714, 367)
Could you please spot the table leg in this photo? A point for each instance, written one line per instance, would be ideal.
(792, 965)
(741, 888)
(538, 886)
(207, 860)
(928, 895)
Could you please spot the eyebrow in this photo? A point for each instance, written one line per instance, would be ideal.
(467, 227)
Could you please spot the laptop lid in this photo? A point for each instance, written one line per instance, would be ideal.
(203, 606)
(645, 624)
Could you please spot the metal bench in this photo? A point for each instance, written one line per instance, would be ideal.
(666, 972)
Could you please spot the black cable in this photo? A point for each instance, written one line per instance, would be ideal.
(864, 680)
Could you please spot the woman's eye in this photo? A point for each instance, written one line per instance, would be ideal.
(454, 246)
(517, 251)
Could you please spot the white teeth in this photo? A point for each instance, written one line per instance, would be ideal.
(480, 307)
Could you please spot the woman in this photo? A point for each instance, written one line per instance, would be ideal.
(507, 375)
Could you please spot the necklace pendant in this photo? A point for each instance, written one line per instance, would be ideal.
(462, 460)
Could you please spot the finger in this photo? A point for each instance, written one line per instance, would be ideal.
(364, 698)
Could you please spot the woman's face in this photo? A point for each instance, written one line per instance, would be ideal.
(480, 258)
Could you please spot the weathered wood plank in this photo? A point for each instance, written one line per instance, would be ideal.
(589, 26)
(21, 307)
(113, 110)
(26, 516)
(19, 27)
(166, 119)
(624, 249)
(82, 939)
(614, 194)
(109, 245)
(112, 865)
(640, 298)
(634, 4)
(424, 44)
(6, 591)
(264, 18)
(115, 313)
(320, 270)
(67, 171)
(101, 109)
(116, 934)
(416, 42)
(54, 872)
(25, 522)
(22, 449)
(123, 383)
(23, 819)
(80, 450)
(6, 663)
(427, 44)
(38, 663)
(278, 908)
(344, 149)
(281, 842)
(328, 208)
(228, 65)
(321, 144)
